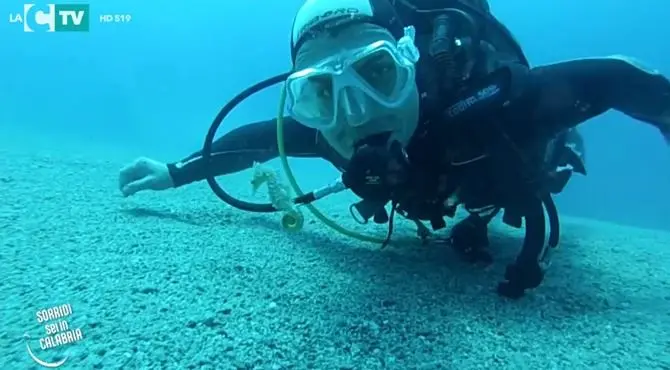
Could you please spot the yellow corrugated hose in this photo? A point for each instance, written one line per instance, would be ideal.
(296, 188)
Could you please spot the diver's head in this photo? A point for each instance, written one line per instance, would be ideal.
(354, 73)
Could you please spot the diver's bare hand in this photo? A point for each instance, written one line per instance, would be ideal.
(144, 174)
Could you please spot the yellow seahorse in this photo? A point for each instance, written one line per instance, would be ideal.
(280, 196)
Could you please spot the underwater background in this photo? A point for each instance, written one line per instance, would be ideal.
(157, 82)
(177, 279)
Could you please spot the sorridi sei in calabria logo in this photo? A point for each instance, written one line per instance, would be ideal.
(57, 334)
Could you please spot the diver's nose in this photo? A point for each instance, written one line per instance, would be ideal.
(352, 107)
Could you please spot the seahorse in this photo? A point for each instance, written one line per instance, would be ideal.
(280, 196)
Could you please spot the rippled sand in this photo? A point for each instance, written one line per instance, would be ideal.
(178, 280)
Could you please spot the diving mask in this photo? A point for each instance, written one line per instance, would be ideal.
(348, 83)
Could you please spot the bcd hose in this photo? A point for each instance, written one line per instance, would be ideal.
(209, 139)
(296, 188)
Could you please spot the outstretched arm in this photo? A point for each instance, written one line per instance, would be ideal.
(240, 148)
(572, 92)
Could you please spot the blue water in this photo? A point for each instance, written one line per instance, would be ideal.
(176, 280)
(154, 84)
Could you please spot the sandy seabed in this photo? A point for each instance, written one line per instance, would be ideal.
(178, 280)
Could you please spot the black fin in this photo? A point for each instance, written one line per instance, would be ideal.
(364, 210)
(512, 218)
(558, 180)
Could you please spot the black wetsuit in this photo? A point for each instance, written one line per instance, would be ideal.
(254, 142)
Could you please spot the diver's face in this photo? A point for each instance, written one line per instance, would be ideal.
(400, 121)
(372, 91)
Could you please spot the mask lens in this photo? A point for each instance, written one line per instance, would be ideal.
(311, 99)
(347, 85)
(382, 74)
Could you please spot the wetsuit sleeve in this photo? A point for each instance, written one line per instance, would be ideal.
(572, 92)
(240, 148)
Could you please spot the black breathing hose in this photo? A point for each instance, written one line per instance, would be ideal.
(554, 223)
(209, 139)
(443, 48)
(533, 242)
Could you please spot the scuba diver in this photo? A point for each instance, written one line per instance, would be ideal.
(429, 106)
